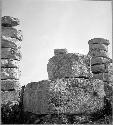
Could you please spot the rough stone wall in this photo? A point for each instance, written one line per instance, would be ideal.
(66, 65)
(70, 74)
(100, 62)
(11, 39)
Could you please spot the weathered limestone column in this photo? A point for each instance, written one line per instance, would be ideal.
(10, 59)
(98, 50)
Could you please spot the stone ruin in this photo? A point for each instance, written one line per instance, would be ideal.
(11, 56)
(76, 81)
(98, 50)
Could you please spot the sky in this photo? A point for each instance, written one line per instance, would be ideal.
(52, 24)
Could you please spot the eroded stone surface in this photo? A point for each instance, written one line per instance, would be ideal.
(10, 84)
(98, 53)
(36, 96)
(99, 41)
(8, 21)
(9, 53)
(68, 65)
(98, 47)
(9, 96)
(10, 32)
(99, 68)
(101, 76)
(100, 60)
(71, 96)
(60, 51)
(8, 42)
(10, 73)
(10, 63)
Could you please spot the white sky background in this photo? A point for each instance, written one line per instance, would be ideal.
(50, 24)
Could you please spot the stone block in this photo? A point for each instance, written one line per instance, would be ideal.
(98, 47)
(99, 68)
(68, 65)
(99, 41)
(8, 42)
(10, 73)
(36, 96)
(100, 60)
(10, 63)
(99, 53)
(68, 96)
(101, 76)
(10, 84)
(9, 53)
(8, 21)
(60, 51)
(10, 32)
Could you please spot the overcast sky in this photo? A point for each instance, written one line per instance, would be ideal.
(50, 24)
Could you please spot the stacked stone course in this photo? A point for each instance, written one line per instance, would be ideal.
(98, 50)
(11, 39)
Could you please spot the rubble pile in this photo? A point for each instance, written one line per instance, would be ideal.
(11, 39)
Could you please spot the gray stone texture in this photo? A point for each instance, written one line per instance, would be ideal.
(101, 76)
(99, 68)
(8, 42)
(98, 47)
(36, 97)
(100, 60)
(10, 73)
(69, 96)
(9, 96)
(10, 32)
(98, 53)
(99, 41)
(10, 84)
(10, 63)
(10, 59)
(68, 65)
(60, 51)
(8, 21)
(9, 53)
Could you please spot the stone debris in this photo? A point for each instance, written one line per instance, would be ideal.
(8, 42)
(100, 60)
(8, 21)
(10, 32)
(98, 47)
(68, 65)
(10, 63)
(9, 53)
(10, 85)
(99, 41)
(70, 96)
(10, 73)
